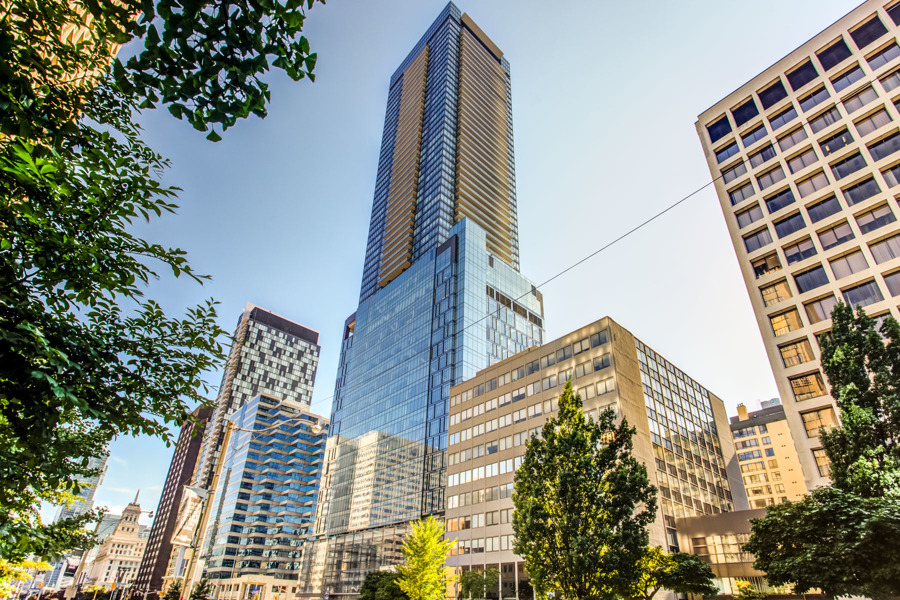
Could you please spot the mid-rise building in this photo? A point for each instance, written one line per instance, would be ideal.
(767, 455)
(806, 162)
(265, 501)
(159, 545)
(441, 296)
(119, 555)
(681, 438)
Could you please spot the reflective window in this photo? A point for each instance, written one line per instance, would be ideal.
(848, 166)
(783, 118)
(874, 121)
(811, 279)
(743, 113)
(766, 264)
(812, 184)
(776, 292)
(885, 146)
(770, 178)
(883, 57)
(814, 99)
(740, 194)
(751, 215)
(789, 225)
(893, 283)
(836, 235)
(892, 175)
(772, 94)
(823, 120)
(847, 78)
(823, 209)
(868, 32)
(821, 418)
(848, 264)
(796, 353)
(786, 322)
(800, 161)
(792, 139)
(891, 81)
(718, 129)
(734, 172)
(780, 200)
(875, 219)
(802, 75)
(861, 191)
(822, 462)
(894, 13)
(762, 156)
(820, 310)
(834, 54)
(799, 251)
(755, 241)
(754, 135)
(886, 249)
(835, 142)
(857, 101)
(863, 294)
(727, 152)
(808, 386)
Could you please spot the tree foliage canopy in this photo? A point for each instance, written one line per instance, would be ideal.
(85, 356)
(476, 584)
(381, 585)
(423, 575)
(678, 572)
(582, 506)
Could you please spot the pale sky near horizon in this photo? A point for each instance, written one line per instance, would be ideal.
(605, 96)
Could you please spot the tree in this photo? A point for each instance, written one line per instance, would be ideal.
(18, 571)
(423, 575)
(864, 374)
(85, 355)
(475, 584)
(582, 506)
(381, 585)
(679, 572)
(202, 590)
(746, 591)
(173, 591)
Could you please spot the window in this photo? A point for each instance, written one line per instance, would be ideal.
(764, 155)
(718, 129)
(823, 209)
(891, 81)
(772, 94)
(893, 283)
(768, 264)
(744, 112)
(783, 118)
(873, 122)
(892, 175)
(868, 32)
(831, 237)
(751, 455)
(823, 120)
(885, 146)
(796, 353)
(803, 160)
(802, 75)
(833, 143)
(789, 225)
(770, 178)
(883, 57)
(811, 279)
(808, 386)
(754, 135)
(751, 215)
(792, 139)
(601, 362)
(581, 346)
(734, 172)
(785, 322)
(726, 152)
(776, 292)
(814, 99)
(563, 353)
(861, 191)
(857, 101)
(885, 250)
(848, 166)
(822, 462)
(820, 310)
(894, 13)
(849, 264)
(599, 338)
(863, 294)
(847, 78)
(779, 200)
(755, 241)
(799, 251)
(834, 54)
(875, 218)
(812, 184)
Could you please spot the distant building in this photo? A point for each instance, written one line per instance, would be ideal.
(119, 555)
(159, 546)
(681, 438)
(767, 455)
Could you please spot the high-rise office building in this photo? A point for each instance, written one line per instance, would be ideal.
(159, 545)
(441, 296)
(806, 162)
(681, 437)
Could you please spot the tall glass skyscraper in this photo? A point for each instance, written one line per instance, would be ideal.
(441, 297)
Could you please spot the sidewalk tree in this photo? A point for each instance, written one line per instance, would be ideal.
(85, 354)
(678, 572)
(173, 591)
(423, 575)
(582, 506)
(476, 584)
(381, 585)
(202, 590)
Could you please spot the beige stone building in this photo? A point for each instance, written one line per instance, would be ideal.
(681, 437)
(806, 162)
(119, 556)
(767, 455)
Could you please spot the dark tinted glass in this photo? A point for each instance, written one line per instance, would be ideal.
(884, 57)
(868, 32)
(834, 54)
(727, 152)
(823, 209)
(894, 13)
(799, 251)
(719, 129)
(745, 112)
(802, 75)
(836, 142)
(783, 118)
(772, 94)
(844, 81)
(885, 147)
(814, 99)
(789, 225)
(810, 280)
(825, 119)
(863, 295)
(780, 200)
(861, 191)
(849, 165)
(751, 137)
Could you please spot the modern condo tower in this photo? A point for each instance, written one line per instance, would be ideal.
(806, 162)
(441, 297)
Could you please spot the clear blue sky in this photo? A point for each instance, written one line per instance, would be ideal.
(605, 96)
